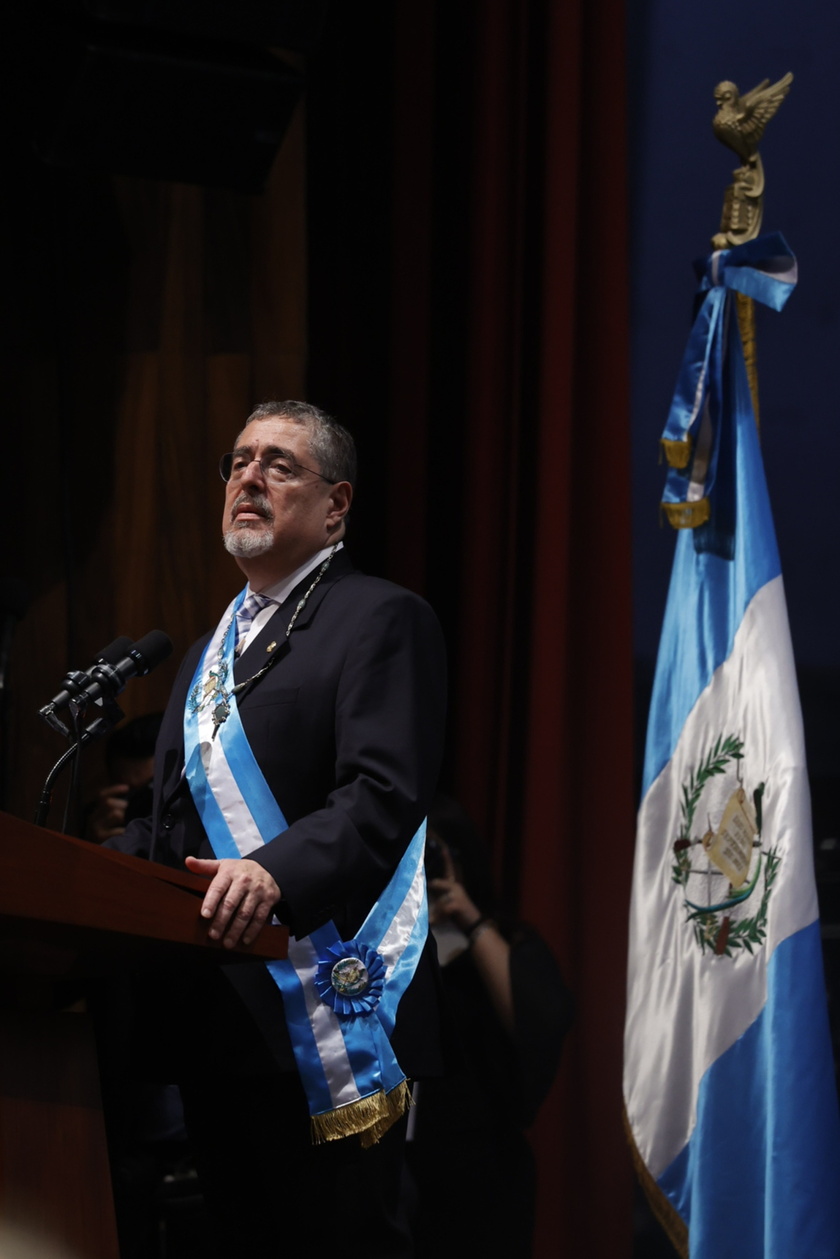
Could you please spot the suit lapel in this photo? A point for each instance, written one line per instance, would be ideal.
(271, 641)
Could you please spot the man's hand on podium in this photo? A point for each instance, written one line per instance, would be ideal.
(239, 900)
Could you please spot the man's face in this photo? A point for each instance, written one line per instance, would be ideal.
(275, 527)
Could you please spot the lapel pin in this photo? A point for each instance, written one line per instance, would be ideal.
(271, 646)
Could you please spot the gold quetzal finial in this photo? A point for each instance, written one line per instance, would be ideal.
(739, 124)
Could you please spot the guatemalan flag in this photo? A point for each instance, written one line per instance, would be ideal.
(729, 1088)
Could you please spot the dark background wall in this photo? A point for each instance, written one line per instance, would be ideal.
(679, 171)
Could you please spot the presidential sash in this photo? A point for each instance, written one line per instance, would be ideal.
(340, 997)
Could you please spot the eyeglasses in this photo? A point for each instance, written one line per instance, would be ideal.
(276, 467)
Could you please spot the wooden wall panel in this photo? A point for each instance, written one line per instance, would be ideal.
(173, 310)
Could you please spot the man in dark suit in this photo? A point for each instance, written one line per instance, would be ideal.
(338, 681)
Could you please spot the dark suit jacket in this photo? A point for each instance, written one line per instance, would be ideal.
(347, 727)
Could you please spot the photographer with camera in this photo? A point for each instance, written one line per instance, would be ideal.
(130, 765)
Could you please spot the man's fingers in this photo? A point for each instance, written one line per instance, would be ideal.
(238, 901)
(240, 921)
(221, 880)
(261, 916)
(202, 865)
(218, 905)
(232, 917)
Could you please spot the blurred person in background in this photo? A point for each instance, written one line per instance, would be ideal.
(471, 1183)
(130, 766)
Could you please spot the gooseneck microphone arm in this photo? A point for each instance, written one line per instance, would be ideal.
(102, 725)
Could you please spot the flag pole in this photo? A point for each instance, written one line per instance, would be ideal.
(739, 124)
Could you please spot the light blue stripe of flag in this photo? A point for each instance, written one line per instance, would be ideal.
(709, 595)
(766, 1148)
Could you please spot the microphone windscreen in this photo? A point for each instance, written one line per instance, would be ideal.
(151, 650)
(114, 652)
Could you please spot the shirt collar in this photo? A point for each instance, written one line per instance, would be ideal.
(282, 589)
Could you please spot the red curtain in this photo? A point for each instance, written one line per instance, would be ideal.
(510, 207)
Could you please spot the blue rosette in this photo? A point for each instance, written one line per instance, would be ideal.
(350, 978)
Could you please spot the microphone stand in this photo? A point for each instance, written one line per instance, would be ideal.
(111, 714)
(106, 678)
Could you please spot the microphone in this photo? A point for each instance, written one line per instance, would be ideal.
(140, 658)
(120, 661)
(73, 686)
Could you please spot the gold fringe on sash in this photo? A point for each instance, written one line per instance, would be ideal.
(677, 453)
(665, 1212)
(687, 515)
(369, 1117)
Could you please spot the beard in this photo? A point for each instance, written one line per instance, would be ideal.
(247, 539)
(244, 542)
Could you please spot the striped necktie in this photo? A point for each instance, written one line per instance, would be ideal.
(251, 608)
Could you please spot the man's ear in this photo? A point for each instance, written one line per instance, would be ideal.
(341, 496)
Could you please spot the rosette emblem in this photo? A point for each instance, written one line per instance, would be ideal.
(350, 978)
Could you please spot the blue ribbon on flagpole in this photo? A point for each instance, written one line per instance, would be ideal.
(765, 270)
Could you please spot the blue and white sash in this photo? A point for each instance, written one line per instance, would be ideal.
(340, 997)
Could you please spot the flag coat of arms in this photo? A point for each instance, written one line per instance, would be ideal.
(729, 1087)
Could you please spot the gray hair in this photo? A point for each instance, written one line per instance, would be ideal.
(330, 443)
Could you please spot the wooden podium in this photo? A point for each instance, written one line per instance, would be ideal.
(70, 910)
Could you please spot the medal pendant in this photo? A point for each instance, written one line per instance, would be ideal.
(220, 715)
